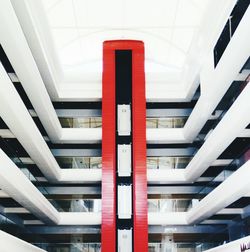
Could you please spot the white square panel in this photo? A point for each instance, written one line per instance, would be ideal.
(187, 14)
(99, 13)
(166, 27)
(49, 4)
(64, 37)
(182, 38)
(62, 14)
(148, 13)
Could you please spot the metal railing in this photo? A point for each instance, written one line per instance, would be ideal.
(70, 247)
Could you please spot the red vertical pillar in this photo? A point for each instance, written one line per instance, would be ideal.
(140, 223)
(140, 208)
(108, 235)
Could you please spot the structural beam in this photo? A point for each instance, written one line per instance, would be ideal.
(48, 116)
(216, 81)
(17, 185)
(11, 243)
(208, 206)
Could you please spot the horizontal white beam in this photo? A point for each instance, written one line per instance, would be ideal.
(214, 203)
(33, 83)
(216, 81)
(39, 38)
(29, 136)
(16, 210)
(11, 243)
(21, 124)
(6, 133)
(217, 199)
(24, 192)
(17, 185)
(172, 218)
(161, 135)
(231, 211)
(231, 125)
(31, 139)
(74, 218)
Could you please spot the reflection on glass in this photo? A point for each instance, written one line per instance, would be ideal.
(80, 162)
(70, 247)
(85, 122)
(167, 162)
(170, 205)
(175, 122)
(170, 246)
(228, 171)
(5, 221)
(77, 205)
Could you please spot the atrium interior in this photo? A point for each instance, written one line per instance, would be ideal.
(124, 125)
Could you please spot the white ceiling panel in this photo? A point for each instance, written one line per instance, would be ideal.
(79, 27)
(61, 14)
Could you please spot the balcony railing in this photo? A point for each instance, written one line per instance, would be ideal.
(180, 247)
(80, 162)
(84, 122)
(167, 162)
(70, 247)
(170, 205)
(227, 171)
(77, 205)
(168, 122)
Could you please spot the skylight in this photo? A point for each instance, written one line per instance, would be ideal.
(79, 27)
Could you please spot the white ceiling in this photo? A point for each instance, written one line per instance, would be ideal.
(79, 27)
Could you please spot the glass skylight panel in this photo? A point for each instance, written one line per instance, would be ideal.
(79, 28)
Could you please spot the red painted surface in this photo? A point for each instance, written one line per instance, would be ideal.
(139, 146)
(108, 236)
(139, 151)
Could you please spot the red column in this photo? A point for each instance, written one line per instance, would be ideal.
(108, 235)
(140, 225)
(140, 207)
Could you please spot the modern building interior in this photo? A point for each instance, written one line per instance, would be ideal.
(124, 125)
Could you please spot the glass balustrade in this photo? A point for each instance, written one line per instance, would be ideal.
(167, 162)
(96, 122)
(237, 228)
(77, 205)
(180, 247)
(5, 221)
(70, 247)
(170, 205)
(80, 162)
(227, 171)
(175, 122)
(23, 167)
(85, 122)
